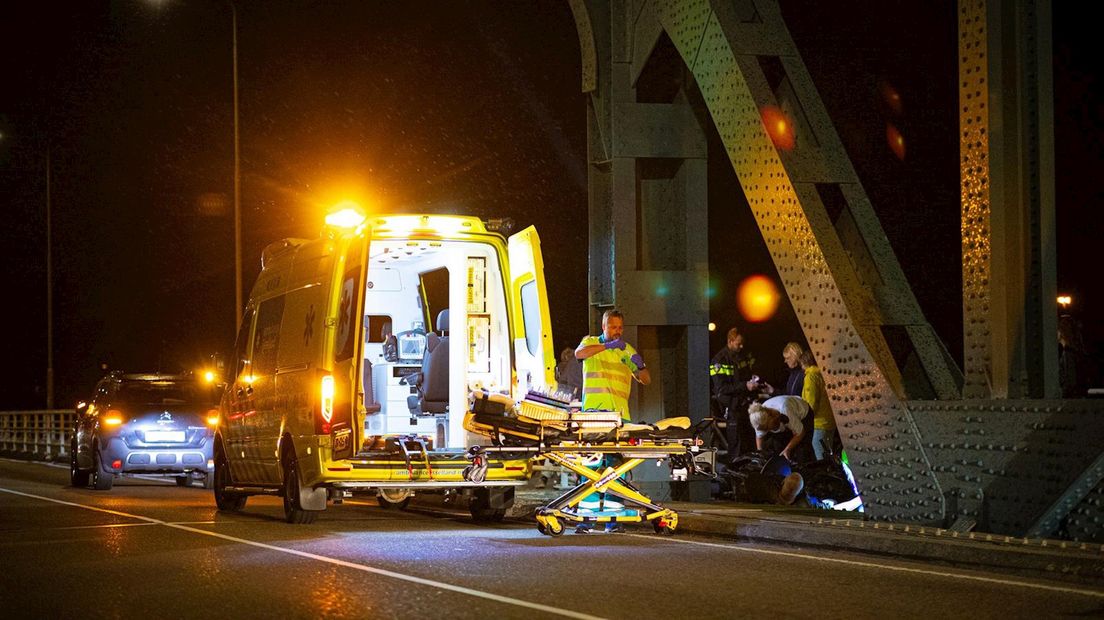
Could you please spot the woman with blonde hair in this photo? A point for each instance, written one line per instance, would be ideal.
(791, 355)
(782, 427)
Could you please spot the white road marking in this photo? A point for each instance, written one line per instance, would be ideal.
(170, 480)
(876, 565)
(108, 525)
(321, 558)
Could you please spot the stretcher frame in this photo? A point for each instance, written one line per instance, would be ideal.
(553, 517)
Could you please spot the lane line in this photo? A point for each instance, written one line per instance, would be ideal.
(903, 569)
(109, 525)
(498, 598)
(151, 478)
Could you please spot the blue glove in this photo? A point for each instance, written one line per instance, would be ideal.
(639, 361)
(615, 344)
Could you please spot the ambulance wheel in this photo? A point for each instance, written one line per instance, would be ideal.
(100, 480)
(393, 498)
(293, 509)
(226, 501)
(77, 476)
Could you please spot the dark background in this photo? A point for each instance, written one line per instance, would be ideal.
(468, 108)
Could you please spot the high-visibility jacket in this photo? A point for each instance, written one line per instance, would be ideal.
(607, 377)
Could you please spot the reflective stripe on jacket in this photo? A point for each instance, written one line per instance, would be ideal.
(607, 378)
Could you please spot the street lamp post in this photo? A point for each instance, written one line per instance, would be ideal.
(49, 295)
(237, 178)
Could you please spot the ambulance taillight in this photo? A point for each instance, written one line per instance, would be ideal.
(326, 402)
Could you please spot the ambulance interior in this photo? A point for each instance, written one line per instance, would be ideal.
(444, 305)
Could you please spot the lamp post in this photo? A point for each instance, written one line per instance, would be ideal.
(237, 177)
(49, 295)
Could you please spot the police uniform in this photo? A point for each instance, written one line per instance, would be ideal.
(729, 372)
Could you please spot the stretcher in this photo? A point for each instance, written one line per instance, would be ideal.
(550, 426)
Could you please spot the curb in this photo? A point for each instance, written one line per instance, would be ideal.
(1037, 558)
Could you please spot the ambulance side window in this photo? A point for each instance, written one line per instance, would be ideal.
(530, 314)
(241, 355)
(266, 338)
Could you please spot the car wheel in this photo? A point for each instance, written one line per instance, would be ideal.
(209, 480)
(226, 501)
(77, 476)
(100, 481)
(293, 509)
(182, 481)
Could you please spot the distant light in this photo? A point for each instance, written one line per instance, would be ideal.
(346, 214)
(1065, 300)
(712, 327)
(892, 98)
(209, 376)
(896, 141)
(779, 127)
(757, 298)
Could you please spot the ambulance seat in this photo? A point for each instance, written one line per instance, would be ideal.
(433, 390)
(370, 403)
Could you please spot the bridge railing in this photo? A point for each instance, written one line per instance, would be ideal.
(40, 434)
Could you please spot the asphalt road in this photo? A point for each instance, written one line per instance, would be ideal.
(153, 550)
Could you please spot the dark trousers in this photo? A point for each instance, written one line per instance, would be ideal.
(738, 432)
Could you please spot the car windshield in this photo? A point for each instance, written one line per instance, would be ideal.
(162, 393)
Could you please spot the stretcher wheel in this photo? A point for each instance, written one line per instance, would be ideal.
(555, 527)
(663, 527)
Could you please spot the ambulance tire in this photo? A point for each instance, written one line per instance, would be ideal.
(225, 501)
(77, 476)
(387, 503)
(100, 480)
(293, 510)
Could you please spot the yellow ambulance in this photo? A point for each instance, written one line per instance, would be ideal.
(356, 356)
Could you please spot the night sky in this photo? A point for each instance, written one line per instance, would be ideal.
(468, 108)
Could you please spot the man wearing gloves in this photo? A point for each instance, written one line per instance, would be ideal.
(609, 366)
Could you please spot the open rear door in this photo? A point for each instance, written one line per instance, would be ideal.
(531, 325)
(348, 408)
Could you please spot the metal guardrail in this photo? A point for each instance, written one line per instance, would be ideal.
(42, 434)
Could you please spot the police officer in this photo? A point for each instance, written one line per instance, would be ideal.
(735, 386)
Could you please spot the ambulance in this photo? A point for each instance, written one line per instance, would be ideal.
(356, 356)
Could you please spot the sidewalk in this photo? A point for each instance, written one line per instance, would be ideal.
(846, 531)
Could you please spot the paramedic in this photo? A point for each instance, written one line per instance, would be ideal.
(609, 366)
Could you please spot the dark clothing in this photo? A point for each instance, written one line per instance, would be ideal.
(729, 372)
(569, 376)
(795, 382)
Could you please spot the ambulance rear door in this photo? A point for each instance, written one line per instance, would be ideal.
(531, 325)
(348, 392)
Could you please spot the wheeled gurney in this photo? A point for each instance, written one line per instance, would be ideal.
(548, 426)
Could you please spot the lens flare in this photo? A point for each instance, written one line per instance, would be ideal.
(896, 141)
(892, 98)
(779, 127)
(758, 298)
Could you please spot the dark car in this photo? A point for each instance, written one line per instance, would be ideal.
(153, 424)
